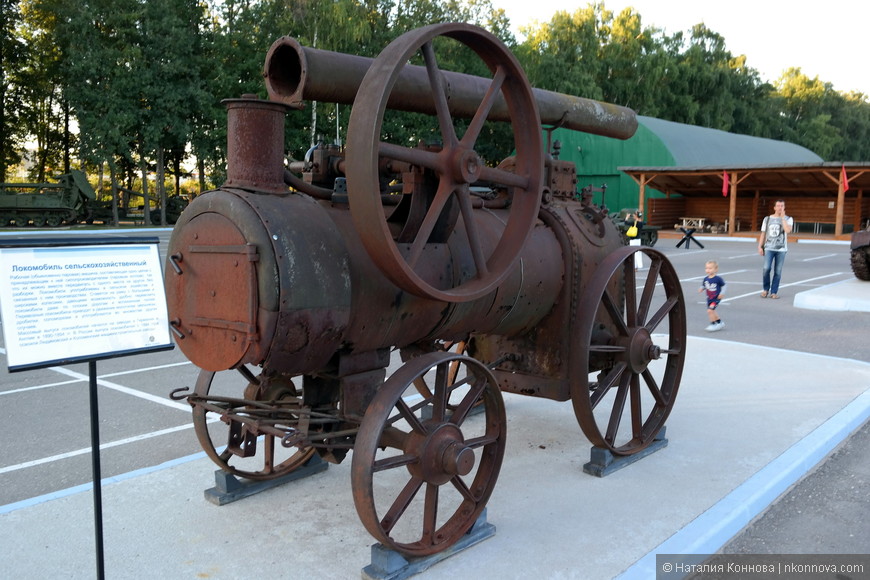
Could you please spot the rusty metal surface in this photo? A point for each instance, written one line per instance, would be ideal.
(283, 401)
(428, 454)
(623, 334)
(485, 279)
(295, 74)
(255, 144)
(213, 303)
(456, 165)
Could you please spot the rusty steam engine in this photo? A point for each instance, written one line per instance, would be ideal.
(480, 279)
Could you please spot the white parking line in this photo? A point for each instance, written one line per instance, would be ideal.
(85, 379)
(38, 387)
(798, 283)
(86, 450)
(166, 402)
(723, 274)
(145, 369)
(822, 257)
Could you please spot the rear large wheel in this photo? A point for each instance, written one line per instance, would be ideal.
(237, 452)
(861, 263)
(633, 347)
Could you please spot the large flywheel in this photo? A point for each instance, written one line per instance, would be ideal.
(632, 346)
(456, 164)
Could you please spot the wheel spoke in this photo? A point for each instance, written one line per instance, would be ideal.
(606, 348)
(502, 177)
(614, 312)
(618, 408)
(476, 125)
(463, 489)
(394, 462)
(422, 387)
(439, 92)
(401, 503)
(604, 386)
(654, 388)
(442, 391)
(468, 401)
(445, 190)
(249, 376)
(662, 312)
(269, 453)
(409, 416)
(413, 156)
(648, 290)
(636, 407)
(474, 243)
(430, 514)
(481, 441)
(630, 292)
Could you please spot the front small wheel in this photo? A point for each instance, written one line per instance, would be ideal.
(423, 466)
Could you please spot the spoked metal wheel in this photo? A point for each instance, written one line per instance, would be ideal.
(456, 164)
(257, 458)
(632, 350)
(423, 469)
(409, 352)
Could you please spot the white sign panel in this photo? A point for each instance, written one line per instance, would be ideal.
(65, 303)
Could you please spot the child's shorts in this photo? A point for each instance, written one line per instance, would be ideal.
(712, 303)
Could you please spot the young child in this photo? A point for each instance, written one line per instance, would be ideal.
(714, 285)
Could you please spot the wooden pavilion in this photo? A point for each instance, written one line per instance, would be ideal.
(823, 198)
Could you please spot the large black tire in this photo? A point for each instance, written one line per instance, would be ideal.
(861, 263)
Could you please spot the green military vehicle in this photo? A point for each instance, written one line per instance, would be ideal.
(46, 204)
(648, 235)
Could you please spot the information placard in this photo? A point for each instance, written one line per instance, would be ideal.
(81, 301)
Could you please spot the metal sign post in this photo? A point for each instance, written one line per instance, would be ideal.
(72, 300)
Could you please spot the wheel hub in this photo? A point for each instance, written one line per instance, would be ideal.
(442, 454)
(467, 166)
(641, 350)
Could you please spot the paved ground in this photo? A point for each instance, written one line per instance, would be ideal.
(761, 404)
(827, 512)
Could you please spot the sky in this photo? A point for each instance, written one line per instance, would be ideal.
(827, 41)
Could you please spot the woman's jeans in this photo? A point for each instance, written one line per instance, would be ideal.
(776, 260)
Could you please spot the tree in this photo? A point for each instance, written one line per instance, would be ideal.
(103, 44)
(806, 112)
(633, 61)
(562, 55)
(13, 55)
(169, 95)
(48, 118)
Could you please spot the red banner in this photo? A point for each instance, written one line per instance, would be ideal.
(844, 179)
(725, 183)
